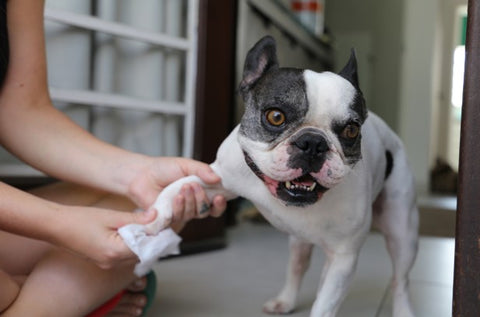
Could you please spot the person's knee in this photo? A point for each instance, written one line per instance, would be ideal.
(69, 193)
(9, 290)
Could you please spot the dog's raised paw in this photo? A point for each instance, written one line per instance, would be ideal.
(278, 306)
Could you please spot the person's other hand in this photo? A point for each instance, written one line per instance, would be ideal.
(192, 202)
(92, 233)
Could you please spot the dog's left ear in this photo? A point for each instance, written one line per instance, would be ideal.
(349, 72)
(260, 58)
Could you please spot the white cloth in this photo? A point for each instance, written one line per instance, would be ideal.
(152, 241)
(149, 248)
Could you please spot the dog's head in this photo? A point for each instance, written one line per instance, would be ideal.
(301, 131)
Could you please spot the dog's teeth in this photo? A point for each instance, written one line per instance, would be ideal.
(290, 185)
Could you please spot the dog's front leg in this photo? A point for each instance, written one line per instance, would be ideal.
(164, 202)
(299, 261)
(336, 278)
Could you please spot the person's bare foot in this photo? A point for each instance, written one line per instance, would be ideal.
(133, 301)
(8, 291)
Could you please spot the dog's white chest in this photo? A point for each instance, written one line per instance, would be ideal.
(332, 218)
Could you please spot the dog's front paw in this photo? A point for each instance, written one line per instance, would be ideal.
(278, 306)
(164, 204)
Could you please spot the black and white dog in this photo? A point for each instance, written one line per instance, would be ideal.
(321, 167)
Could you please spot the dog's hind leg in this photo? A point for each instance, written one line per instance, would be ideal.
(299, 261)
(396, 215)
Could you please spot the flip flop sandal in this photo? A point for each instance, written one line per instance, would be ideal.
(149, 292)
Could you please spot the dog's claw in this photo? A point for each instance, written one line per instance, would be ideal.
(278, 306)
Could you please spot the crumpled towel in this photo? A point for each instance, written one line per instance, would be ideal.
(155, 240)
(149, 248)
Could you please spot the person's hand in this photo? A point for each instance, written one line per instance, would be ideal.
(192, 202)
(92, 233)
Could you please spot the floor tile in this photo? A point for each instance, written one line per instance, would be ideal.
(237, 280)
(428, 300)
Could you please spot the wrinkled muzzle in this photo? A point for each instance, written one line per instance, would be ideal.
(300, 170)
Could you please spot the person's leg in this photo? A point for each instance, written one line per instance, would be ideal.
(9, 290)
(18, 255)
(58, 275)
(69, 194)
(62, 284)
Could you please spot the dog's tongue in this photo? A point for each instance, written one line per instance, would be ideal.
(272, 184)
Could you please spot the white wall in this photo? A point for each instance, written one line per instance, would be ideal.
(405, 53)
(250, 29)
(374, 29)
(426, 82)
(417, 100)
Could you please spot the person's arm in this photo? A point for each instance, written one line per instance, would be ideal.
(88, 231)
(39, 134)
(43, 137)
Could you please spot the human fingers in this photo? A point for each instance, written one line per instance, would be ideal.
(120, 219)
(202, 170)
(219, 204)
(178, 206)
(202, 202)
(114, 253)
(188, 211)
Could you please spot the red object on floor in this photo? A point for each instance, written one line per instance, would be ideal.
(107, 307)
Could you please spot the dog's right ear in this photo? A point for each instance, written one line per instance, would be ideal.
(261, 57)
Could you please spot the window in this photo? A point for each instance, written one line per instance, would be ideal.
(458, 65)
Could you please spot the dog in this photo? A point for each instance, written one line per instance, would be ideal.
(321, 167)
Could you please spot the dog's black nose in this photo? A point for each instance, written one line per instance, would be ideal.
(313, 144)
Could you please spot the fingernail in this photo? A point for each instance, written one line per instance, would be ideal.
(211, 175)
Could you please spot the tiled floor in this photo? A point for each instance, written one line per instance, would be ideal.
(235, 281)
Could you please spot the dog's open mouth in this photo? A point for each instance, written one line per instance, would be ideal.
(301, 184)
(301, 191)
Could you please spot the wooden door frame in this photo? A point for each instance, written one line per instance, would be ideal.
(215, 94)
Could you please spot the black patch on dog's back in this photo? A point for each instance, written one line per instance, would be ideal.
(389, 158)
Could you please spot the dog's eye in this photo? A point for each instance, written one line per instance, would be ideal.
(275, 117)
(351, 131)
